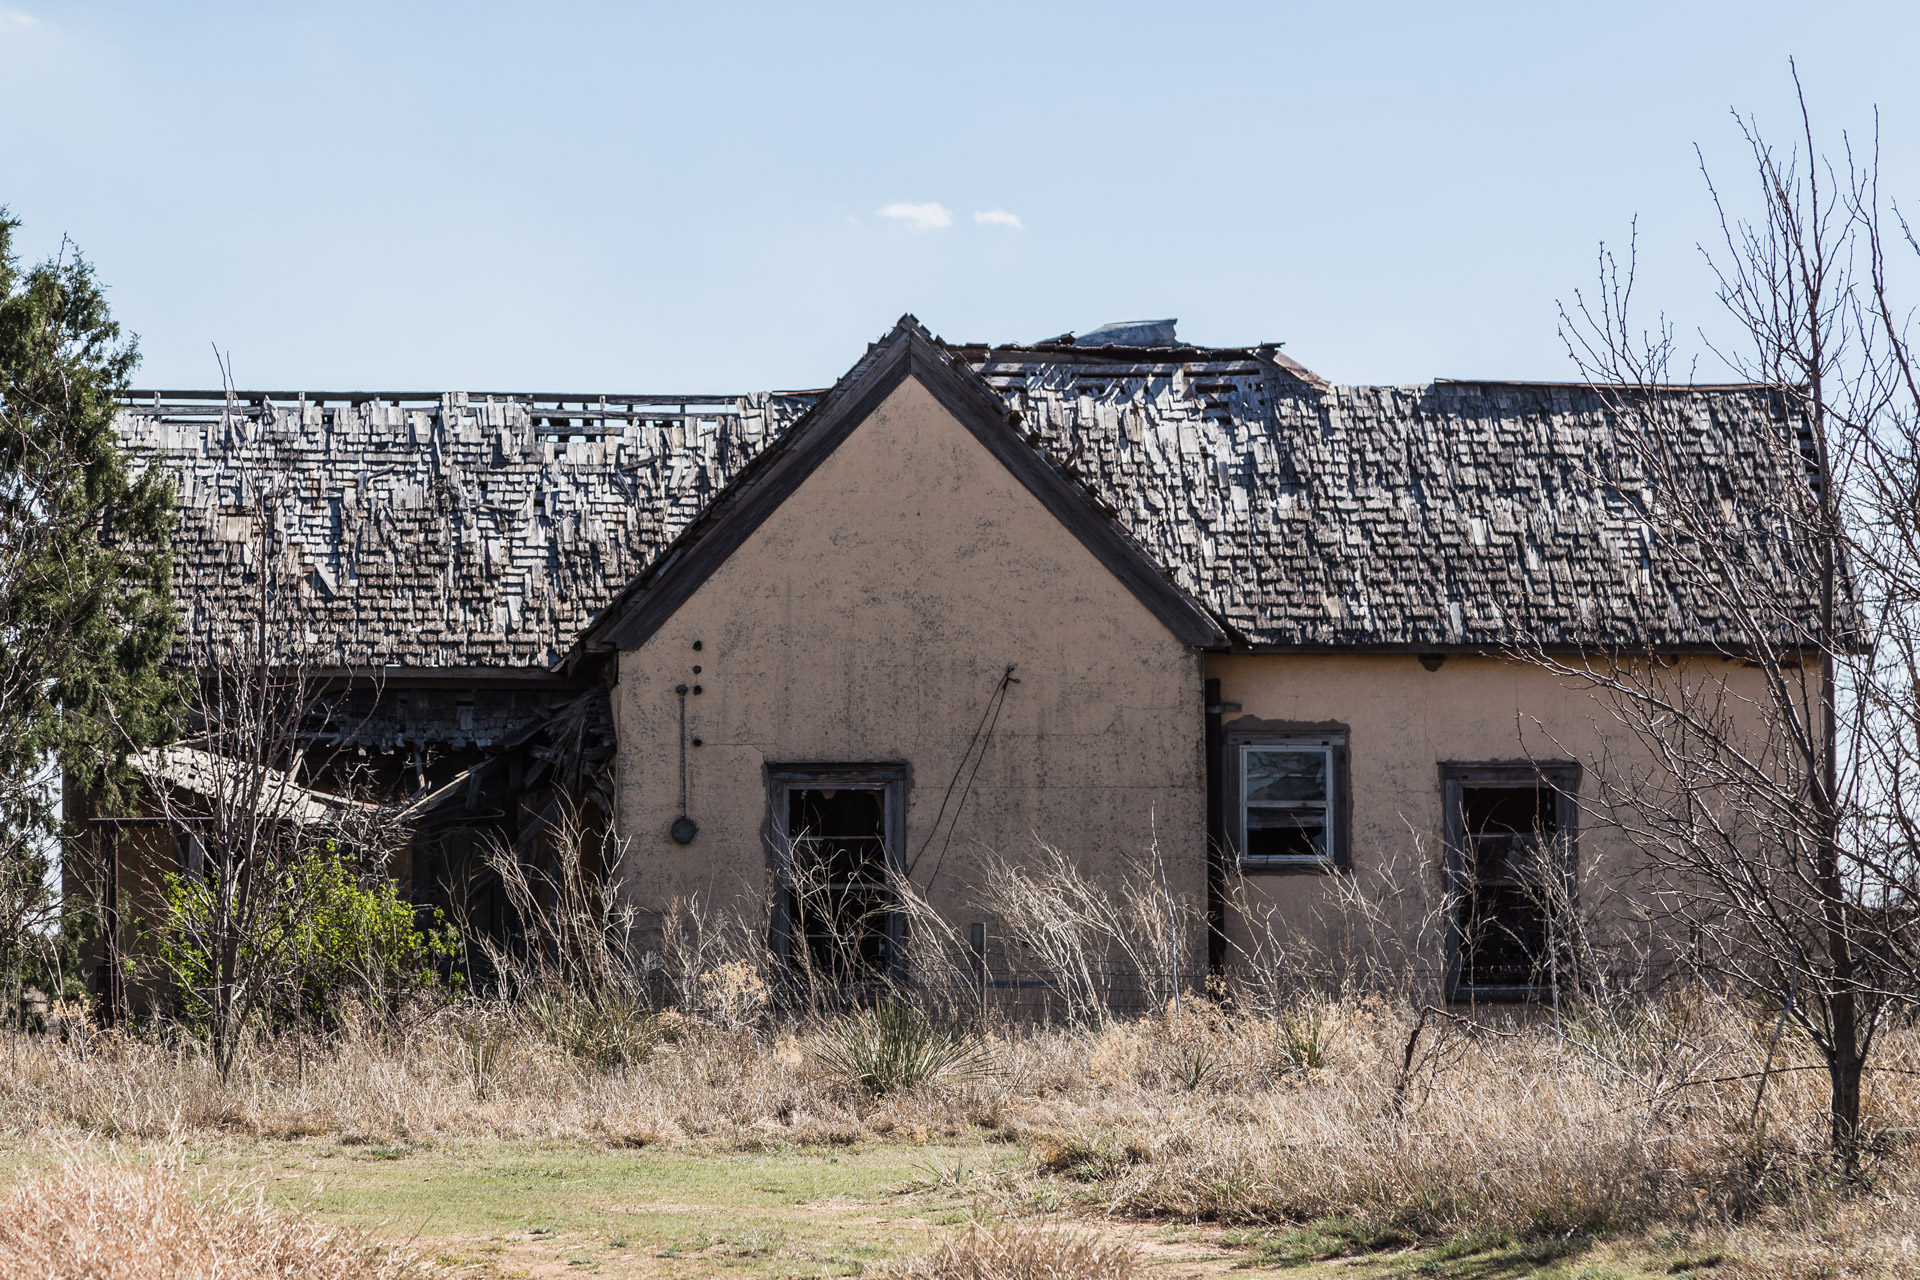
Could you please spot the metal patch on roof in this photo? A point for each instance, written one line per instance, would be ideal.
(1129, 333)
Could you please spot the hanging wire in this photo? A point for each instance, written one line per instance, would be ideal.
(954, 781)
(994, 704)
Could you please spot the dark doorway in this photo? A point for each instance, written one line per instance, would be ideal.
(1509, 845)
(840, 917)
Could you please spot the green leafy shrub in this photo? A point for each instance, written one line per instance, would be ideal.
(337, 936)
(897, 1046)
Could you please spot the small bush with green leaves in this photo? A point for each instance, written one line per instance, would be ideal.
(897, 1046)
(341, 936)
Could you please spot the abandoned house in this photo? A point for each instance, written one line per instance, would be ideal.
(1127, 598)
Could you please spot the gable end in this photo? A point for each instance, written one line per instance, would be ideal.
(777, 473)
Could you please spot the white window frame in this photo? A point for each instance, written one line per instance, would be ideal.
(1332, 748)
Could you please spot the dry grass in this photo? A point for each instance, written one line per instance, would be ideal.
(1636, 1124)
(1022, 1253)
(125, 1223)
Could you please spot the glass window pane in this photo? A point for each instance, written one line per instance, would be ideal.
(1278, 776)
(1286, 833)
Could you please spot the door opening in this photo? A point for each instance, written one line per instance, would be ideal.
(1510, 845)
(840, 916)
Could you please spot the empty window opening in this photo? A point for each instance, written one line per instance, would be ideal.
(840, 917)
(191, 856)
(1510, 849)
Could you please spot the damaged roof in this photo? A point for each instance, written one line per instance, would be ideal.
(437, 530)
(488, 531)
(909, 351)
(1455, 515)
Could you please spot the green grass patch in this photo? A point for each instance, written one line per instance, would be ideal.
(785, 1211)
(491, 1210)
(1358, 1250)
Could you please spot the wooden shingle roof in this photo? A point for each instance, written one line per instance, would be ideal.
(470, 531)
(1452, 515)
(451, 531)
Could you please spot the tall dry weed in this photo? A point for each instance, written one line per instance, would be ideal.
(118, 1222)
(1621, 1121)
(1101, 944)
(1020, 1252)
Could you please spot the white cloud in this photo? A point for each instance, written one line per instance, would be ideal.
(15, 18)
(998, 218)
(924, 217)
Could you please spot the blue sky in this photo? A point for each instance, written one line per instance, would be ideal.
(694, 196)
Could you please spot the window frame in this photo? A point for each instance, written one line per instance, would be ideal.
(1246, 735)
(1563, 777)
(889, 779)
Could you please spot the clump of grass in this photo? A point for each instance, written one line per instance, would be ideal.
(125, 1223)
(487, 1039)
(603, 1032)
(1085, 1160)
(1340, 1237)
(897, 1046)
(1017, 1252)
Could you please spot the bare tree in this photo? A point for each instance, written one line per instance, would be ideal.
(232, 789)
(1769, 782)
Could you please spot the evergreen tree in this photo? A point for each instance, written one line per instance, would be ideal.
(86, 611)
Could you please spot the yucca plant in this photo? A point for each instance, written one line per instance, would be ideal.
(1301, 1037)
(897, 1046)
(1189, 1066)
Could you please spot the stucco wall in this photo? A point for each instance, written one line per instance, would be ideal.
(1403, 723)
(869, 620)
